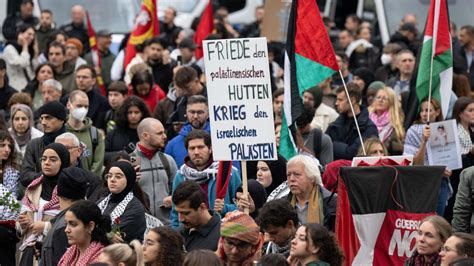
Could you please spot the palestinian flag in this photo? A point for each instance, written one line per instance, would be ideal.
(436, 58)
(146, 27)
(95, 54)
(309, 59)
(204, 28)
(380, 208)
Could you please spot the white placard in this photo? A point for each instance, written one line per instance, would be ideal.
(240, 99)
(374, 159)
(443, 146)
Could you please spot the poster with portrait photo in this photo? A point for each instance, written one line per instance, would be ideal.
(443, 146)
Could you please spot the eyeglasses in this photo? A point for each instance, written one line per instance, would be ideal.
(116, 176)
(194, 112)
(382, 98)
(240, 245)
(446, 249)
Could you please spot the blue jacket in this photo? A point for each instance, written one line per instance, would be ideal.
(175, 147)
(229, 206)
(343, 132)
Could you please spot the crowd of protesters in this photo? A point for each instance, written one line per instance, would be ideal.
(129, 178)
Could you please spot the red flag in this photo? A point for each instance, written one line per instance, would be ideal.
(224, 174)
(204, 28)
(146, 27)
(95, 54)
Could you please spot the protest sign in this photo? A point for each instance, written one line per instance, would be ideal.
(240, 99)
(443, 146)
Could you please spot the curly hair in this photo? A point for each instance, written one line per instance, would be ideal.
(10, 161)
(329, 250)
(171, 251)
(122, 112)
(277, 213)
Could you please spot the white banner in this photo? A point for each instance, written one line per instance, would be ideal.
(443, 146)
(240, 99)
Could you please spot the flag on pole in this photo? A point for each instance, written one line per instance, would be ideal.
(204, 28)
(309, 59)
(95, 54)
(379, 210)
(435, 70)
(146, 27)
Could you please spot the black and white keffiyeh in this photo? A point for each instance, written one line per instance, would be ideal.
(118, 211)
(200, 177)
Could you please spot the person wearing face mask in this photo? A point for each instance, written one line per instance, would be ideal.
(388, 69)
(81, 126)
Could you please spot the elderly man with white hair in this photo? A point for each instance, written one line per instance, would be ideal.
(76, 148)
(51, 90)
(313, 203)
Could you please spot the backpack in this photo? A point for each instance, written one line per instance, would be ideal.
(317, 142)
(94, 133)
(166, 166)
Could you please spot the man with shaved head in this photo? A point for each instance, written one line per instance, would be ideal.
(77, 28)
(157, 169)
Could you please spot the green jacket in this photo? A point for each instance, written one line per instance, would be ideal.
(463, 218)
(95, 161)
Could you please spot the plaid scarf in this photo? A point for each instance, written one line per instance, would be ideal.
(464, 139)
(73, 257)
(419, 260)
(200, 177)
(53, 204)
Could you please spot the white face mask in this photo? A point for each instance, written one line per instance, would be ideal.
(79, 113)
(386, 59)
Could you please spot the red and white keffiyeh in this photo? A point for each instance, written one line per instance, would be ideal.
(91, 255)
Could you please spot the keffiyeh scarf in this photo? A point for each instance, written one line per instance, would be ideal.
(200, 177)
(119, 209)
(91, 255)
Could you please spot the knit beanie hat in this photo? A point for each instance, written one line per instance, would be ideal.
(317, 93)
(72, 183)
(55, 109)
(76, 42)
(376, 85)
(240, 226)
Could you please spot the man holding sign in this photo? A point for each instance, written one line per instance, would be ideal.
(200, 167)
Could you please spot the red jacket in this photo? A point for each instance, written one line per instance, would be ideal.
(155, 94)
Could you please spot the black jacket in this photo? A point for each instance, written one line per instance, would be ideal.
(79, 32)
(162, 74)
(343, 132)
(460, 65)
(14, 21)
(204, 237)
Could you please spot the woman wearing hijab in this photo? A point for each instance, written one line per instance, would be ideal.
(270, 174)
(41, 203)
(22, 128)
(126, 212)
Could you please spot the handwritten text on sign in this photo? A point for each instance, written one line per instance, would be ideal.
(240, 99)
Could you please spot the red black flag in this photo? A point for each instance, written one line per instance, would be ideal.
(380, 208)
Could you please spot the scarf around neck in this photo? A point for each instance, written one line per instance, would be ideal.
(53, 203)
(89, 256)
(147, 152)
(119, 209)
(200, 177)
(382, 123)
(315, 214)
(49, 138)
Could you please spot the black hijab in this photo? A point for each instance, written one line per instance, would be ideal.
(131, 176)
(277, 168)
(50, 182)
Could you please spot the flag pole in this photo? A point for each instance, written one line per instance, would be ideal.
(431, 80)
(353, 113)
(244, 182)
